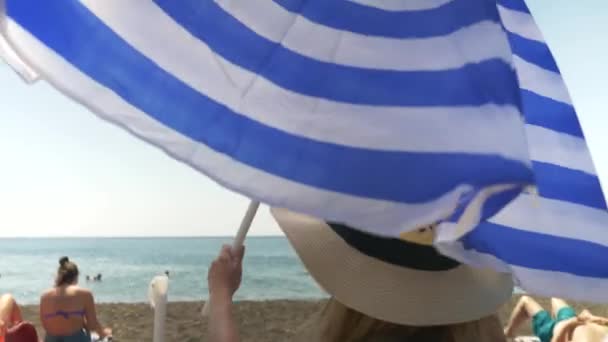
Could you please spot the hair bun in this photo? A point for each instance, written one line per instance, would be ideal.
(64, 260)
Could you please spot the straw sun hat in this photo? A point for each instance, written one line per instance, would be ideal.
(403, 281)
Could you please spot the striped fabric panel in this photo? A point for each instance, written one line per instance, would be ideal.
(288, 103)
(556, 243)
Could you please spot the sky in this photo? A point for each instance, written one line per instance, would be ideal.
(64, 172)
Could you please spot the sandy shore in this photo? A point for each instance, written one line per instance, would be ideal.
(259, 321)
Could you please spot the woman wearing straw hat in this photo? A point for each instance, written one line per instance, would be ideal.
(381, 289)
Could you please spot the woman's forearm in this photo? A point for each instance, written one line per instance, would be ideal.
(222, 326)
(96, 328)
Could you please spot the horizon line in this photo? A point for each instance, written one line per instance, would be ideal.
(136, 237)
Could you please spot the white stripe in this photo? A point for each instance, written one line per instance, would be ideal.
(381, 217)
(456, 251)
(9, 56)
(558, 218)
(520, 23)
(487, 129)
(403, 5)
(541, 81)
(478, 42)
(557, 148)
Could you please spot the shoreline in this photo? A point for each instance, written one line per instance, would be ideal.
(259, 321)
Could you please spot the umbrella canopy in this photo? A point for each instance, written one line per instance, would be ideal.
(386, 119)
(383, 115)
(554, 242)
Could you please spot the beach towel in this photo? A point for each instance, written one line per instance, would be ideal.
(22, 332)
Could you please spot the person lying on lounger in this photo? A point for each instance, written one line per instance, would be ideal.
(10, 314)
(562, 324)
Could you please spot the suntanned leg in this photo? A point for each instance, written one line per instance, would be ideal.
(6, 313)
(525, 309)
(17, 316)
(9, 311)
(556, 305)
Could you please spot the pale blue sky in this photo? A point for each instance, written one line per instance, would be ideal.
(66, 173)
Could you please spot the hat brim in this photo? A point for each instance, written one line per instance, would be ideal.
(388, 292)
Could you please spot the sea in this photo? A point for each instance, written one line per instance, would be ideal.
(271, 269)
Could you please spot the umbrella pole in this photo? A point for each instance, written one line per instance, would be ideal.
(239, 239)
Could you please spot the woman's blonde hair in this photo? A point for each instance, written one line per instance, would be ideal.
(338, 323)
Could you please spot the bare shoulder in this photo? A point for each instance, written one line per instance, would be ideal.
(47, 293)
(82, 291)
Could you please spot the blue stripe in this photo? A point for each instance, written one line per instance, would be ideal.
(491, 81)
(533, 51)
(518, 5)
(568, 185)
(540, 251)
(79, 37)
(353, 17)
(546, 112)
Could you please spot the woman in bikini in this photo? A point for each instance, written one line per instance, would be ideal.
(67, 312)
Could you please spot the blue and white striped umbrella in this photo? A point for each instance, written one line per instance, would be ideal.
(383, 119)
(379, 114)
(556, 242)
